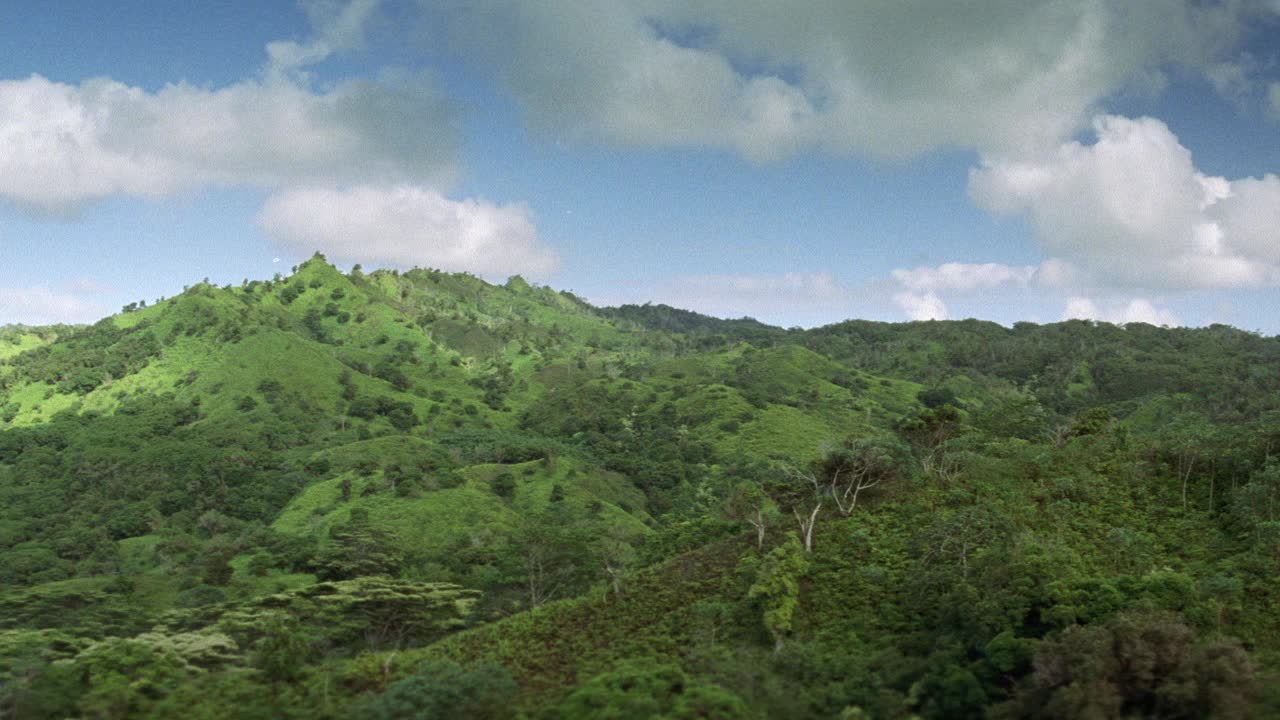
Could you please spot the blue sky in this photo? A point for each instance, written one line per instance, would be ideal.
(799, 163)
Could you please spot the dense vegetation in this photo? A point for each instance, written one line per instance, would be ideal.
(418, 495)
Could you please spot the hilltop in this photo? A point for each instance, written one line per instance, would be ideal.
(359, 494)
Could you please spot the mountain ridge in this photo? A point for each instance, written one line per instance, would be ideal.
(636, 497)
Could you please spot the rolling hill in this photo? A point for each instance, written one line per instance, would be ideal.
(373, 494)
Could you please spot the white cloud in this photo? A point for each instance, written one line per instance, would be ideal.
(42, 306)
(1137, 310)
(409, 225)
(389, 142)
(1132, 210)
(62, 145)
(886, 79)
(922, 287)
(1249, 218)
(922, 290)
(921, 306)
(1081, 308)
(964, 276)
(1056, 273)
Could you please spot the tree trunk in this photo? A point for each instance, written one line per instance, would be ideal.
(1186, 479)
(759, 525)
(806, 525)
(614, 580)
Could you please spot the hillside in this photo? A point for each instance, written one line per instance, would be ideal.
(393, 494)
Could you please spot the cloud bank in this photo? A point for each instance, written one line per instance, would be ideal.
(409, 225)
(1138, 310)
(921, 291)
(62, 146)
(882, 79)
(921, 306)
(1132, 210)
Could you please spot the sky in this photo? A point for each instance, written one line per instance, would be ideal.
(797, 162)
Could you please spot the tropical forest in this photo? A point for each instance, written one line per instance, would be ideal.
(416, 494)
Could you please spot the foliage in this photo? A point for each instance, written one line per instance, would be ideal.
(645, 688)
(1137, 665)
(417, 494)
(444, 689)
(777, 586)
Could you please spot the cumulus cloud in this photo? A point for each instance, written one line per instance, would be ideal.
(408, 225)
(1137, 310)
(921, 306)
(922, 287)
(64, 145)
(1132, 210)
(886, 79)
(923, 290)
(40, 305)
(357, 168)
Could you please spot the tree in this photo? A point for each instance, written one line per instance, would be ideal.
(503, 485)
(928, 432)
(1013, 414)
(444, 689)
(282, 651)
(551, 556)
(936, 397)
(747, 502)
(1185, 441)
(931, 427)
(371, 612)
(956, 538)
(125, 677)
(803, 493)
(1137, 665)
(778, 587)
(616, 555)
(861, 464)
(358, 548)
(840, 477)
(1259, 499)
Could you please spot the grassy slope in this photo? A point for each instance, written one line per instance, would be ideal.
(17, 340)
(432, 522)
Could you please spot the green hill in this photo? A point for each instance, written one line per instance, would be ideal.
(336, 495)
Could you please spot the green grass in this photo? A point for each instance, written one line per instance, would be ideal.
(15, 341)
(37, 403)
(430, 523)
(137, 554)
(782, 431)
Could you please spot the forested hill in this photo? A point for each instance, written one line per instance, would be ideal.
(394, 495)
